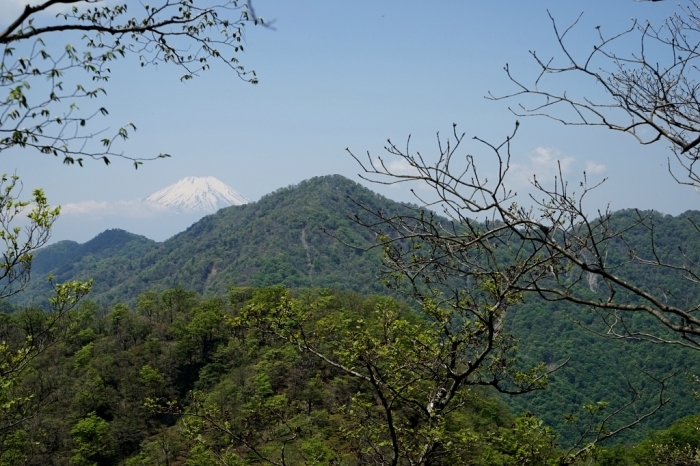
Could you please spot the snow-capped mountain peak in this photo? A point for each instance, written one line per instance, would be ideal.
(195, 193)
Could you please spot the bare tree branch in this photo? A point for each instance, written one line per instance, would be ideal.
(651, 93)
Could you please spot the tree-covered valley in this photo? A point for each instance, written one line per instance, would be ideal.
(238, 341)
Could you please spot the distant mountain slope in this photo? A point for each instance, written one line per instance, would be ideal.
(192, 193)
(277, 240)
(107, 258)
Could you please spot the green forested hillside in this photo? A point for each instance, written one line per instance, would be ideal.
(109, 256)
(607, 369)
(599, 369)
(280, 240)
(289, 237)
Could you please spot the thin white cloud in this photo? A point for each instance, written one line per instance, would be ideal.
(129, 209)
(396, 167)
(593, 168)
(399, 167)
(544, 164)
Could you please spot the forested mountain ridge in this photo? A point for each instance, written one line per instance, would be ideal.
(291, 237)
(110, 254)
(288, 237)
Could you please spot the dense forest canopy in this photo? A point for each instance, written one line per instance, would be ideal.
(180, 379)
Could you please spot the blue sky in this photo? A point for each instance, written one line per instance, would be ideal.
(337, 74)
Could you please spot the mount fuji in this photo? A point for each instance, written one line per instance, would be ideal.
(197, 194)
